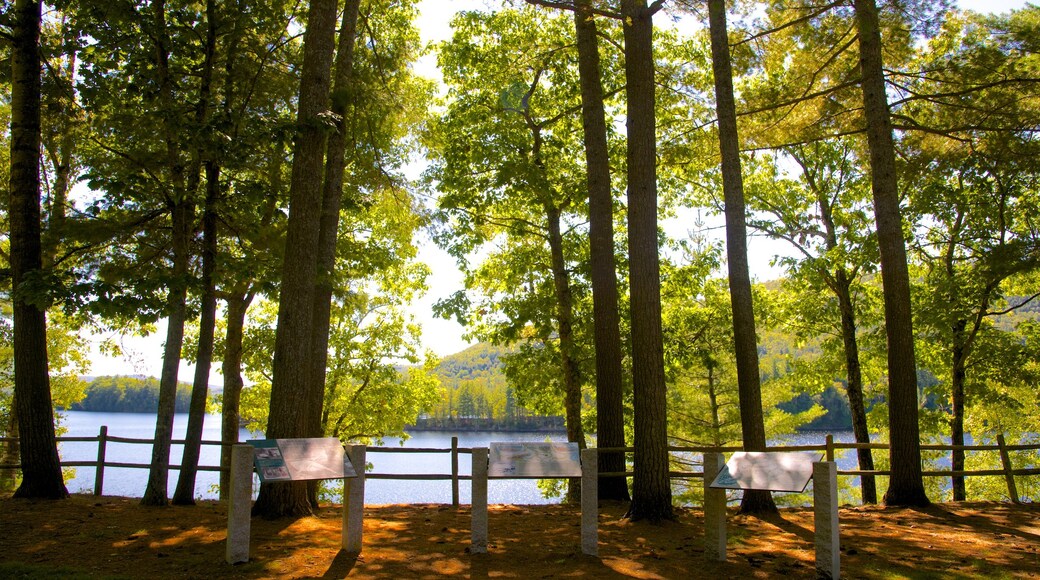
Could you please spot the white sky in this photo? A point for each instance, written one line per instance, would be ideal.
(444, 337)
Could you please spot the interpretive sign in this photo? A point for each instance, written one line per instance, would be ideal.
(534, 460)
(526, 459)
(294, 460)
(300, 459)
(770, 471)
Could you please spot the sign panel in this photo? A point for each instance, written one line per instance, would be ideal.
(300, 459)
(770, 471)
(527, 459)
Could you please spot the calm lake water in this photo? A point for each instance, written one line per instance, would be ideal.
(131, 482)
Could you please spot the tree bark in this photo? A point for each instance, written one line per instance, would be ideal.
(906, 485)
(158, 474)
(288, 416)
(41, 467)
(332, 196)
(840, 283)
(237, 305)
(610, 419)
(651, 487)
(854, 384)
(745, 341)
(958, 358)
(185, 491)
(564, 327)
(231, 368)
(181, 211)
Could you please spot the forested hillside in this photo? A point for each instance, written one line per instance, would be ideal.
(475, 395)
(128, 395)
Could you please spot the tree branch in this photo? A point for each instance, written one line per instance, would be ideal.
(570, 7)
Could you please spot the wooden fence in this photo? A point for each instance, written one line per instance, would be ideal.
(829, 448)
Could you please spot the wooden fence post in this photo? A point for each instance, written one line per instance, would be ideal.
(455, 472)
(830, 447)
(99, 470)
(1005, 460)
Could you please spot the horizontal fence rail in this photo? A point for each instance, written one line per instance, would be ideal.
(829, 448)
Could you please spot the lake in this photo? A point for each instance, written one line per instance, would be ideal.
(131, 482)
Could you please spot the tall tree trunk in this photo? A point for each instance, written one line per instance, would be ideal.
(158, 473)
(854, 384)
(745, 341)
(288, 415)
(651, 487)
(185, 490)
(182, 212)
(610, 419)
(840, 283)
(231, 368)
(332, 196)
(906, 485)
(41, 468)
(565, 322)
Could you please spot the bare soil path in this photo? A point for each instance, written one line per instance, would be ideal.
(112, 537)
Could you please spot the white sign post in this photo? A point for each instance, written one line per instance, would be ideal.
(354, 500)
(278, 460)
(241, 482)
(524, 460)
(714, 509)
(825, 517)
(479, 505)
(776, 471)
(589, 502)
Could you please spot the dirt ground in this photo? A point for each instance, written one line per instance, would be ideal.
(112, 537)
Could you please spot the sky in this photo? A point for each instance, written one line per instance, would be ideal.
(443, 337)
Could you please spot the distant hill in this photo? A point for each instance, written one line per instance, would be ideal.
(135, 394)
(480, 361)
(477, 397)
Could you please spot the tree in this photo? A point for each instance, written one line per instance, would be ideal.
(367, 395)
(906, 485)
(293, 337)
(823, 216)
(184, 494)
(181, 208)
(41, 469)
(610, 420)
(975, 175)
(519, 188)
(651, 487)
(745, 340)
(328, 235)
